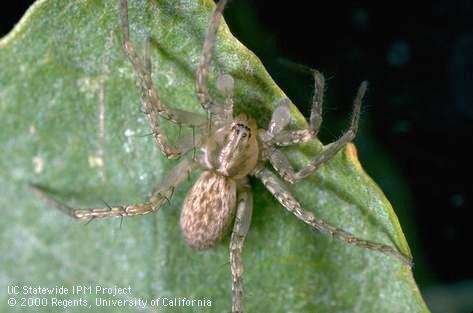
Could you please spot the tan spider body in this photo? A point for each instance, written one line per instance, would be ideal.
(229, 155)
(230, 149)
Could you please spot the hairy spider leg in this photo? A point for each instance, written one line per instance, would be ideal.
(291, 137)
(224, 83)
(159, 197)
(153, 107)
(284, 197)
(240, 229)
(286, 171)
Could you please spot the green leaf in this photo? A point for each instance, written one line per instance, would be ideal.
(70, 118)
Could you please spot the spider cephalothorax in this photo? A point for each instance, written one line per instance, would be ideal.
(230, 149)
(239, 150)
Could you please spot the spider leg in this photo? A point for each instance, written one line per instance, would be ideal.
(279, 137)
(240, 229)
(107, 211)
(284, 197)
(280, 163)
(162, 195)
(153, 106)
(202, 73)
(317, 102)
(225, 84)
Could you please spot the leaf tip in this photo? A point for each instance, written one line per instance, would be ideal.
(352, 155)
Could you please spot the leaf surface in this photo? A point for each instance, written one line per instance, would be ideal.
(71, 120)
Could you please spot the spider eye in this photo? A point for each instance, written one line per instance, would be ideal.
(241, 130)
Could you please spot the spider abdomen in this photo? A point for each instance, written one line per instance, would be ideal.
(208, 210)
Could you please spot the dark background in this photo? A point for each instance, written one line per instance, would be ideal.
(417, 122)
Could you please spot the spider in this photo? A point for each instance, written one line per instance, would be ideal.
(230, 148)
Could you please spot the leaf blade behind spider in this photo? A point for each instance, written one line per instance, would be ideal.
(63, 66)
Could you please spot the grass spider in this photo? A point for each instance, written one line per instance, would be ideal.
(230, 148)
